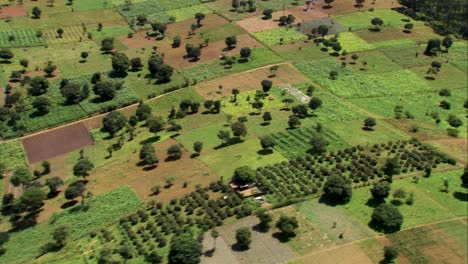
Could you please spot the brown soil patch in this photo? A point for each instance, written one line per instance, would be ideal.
(9, 188)
(247, 81)
(175, 56)
(55, 142)
(348, 6)
(127, 172)
(456, 147)
(138, 40)
(257, 24)
(183, 27)
(348, 254)
(12, 11)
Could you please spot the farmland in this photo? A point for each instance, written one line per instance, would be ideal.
(237, 132)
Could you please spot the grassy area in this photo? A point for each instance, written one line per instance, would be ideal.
(222, 32)
(362, 19)
(188, 12)
(352, 43)
(101, 211)
(281, 35)
(243, 104)
(12, 154)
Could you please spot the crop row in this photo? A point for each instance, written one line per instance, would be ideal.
(20, 39)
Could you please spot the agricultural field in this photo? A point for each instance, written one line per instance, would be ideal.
(237, 132)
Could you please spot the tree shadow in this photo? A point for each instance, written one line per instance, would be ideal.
(229, 48)
(461, 196)
(171, 158)
(150, 167)
(209, 253)
(27, 221)
(396, 202)
(372, 202)
(429, 78)
(194, 155)
(367, 128)
(265, 124)
(330, 201)
(68, 204)
(260, 228)
(236, 247)
(52, 195)
(282, 237)
(232, 141)
(150, 140)
(264, 152)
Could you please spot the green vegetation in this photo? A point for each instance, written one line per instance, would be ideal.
(282, 35)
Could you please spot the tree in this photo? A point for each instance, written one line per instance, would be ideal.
(194, 52)
(60, 235)
(244, 175)
(20, 176)
(408, 27)
(231, 42)
(338, 189)
(318, 144)
(136, 64)
(155, 124)
(266, 85)
(267, 143)
(245, 53)
(315, 103)
(38, 86)
(50, 69)
(153, 258)
(6, 54)
(287, 226)
(148, 154)
(113, 122)
(164, 73)
(322, 30)
(184, 249)
(390, 254)
(120, 63)
(377, 22)
(267, 117)
(84, 55)
(243, 238)
(214, 234)
(36, 11)
(105, 90)
(454, 121)
(294, 121)
(31, 199)
(464, 177)
(380, 190)
(239, 129)
(433, 47)
(197, 147)
(53, 183)
(328, 2)
(199, 17)
(107, 44)
(42, 105)
(387, 217)
(391, 167)
(143, 111)
(369, 123)
(359, 3)
(447, 42)
(24, 63)
(60, 32)
(257, 105)
(154, 62)
(265, 220)
(225, 136)
(83, 167)
(75, 190)
(174, 152)
(267, 13)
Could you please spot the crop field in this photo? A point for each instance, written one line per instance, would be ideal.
(71, 34)
(352, 43)
(222, 32)
(243, 104)
(12, 154)
(188, 12)
(20, 39)
(361, 20)
(279, 35)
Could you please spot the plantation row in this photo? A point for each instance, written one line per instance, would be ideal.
(20, 39)
(306, 175)
(143, 232)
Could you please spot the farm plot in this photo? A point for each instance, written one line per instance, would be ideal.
(352, 43)
(188, 12)
(277, 4)
(20, 39)
(12, 155)
(349, 6)
(362, 20)
(71, 34)
(282, 35)
(221, 32)
(243, 103)
(457, 56)
(405, 55)
(224, 7)
(333, 27)
(12, 11)
(295, 143)
(153, 10)
(449, 77)
(419, 34)
(300, 51)
(376, 62)
(55, 142)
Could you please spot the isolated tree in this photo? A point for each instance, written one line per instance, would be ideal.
(377, 22)
(197, 147)
(322, 30)
(194, 52)
(318, 144)
(164, 73)
(24, 63)
(154, 62)
(433, 47)
(287, 226)
(42, 104)
(6, 54)
(107, 44)
(265, 220)
(390, 254)
(369, 123)
(300, 110)
(53, 184)
(245, 53)
(36, 11)
(148, 154)
(447, 42)
(199, 17)
(267, 117)
(120, 63)
(184, 249)
(267, 142)
(50, 69)
(113, 122)
(391, 167)
(244, 174)
(294, 121)
(239, 129)
(83, 167)
(224, 136)
(20, 176)
(267, 13)
(315, 103)
(60, 32)
(136, 64)
(266, 85)
(454, 121)
(31, 199)
(143, 111)
(105, 90)
(328, 2)
(38, 86)
(75, 190)
(408, 27)
(338, 189)
(243, 238)
(84, 55)
(155, 124)
(174, 152)
(359, 3)
(59, 235)
(231, 42)
(380, 190)
(464, 177)
(387, 217)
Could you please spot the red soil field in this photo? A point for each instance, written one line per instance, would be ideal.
(348, 6)
(55, 142)
(12, 11)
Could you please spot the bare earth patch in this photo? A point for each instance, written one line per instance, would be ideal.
(138, 40)
(348, 6)
(12, 11)
(347, 254)
(248, 81)
(456, 147)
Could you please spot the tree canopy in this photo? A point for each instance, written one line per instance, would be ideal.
(184, 249)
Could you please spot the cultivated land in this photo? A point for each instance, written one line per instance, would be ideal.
(122, 124)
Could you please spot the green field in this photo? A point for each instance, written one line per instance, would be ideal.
(282, 35)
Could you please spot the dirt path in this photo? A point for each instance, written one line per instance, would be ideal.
(312, 254)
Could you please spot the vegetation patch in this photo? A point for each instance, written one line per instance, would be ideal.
(362, 20)
(12, 154)
(20, 38)
(281, 35)
(188, 12)
(352, 43)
